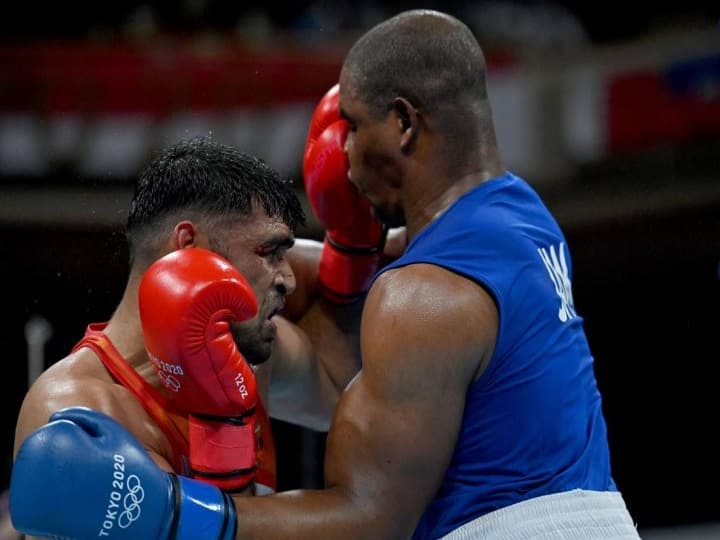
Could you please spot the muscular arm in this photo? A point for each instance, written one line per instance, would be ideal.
(426, 334)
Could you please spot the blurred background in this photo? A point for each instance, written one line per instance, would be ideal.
(612, 112)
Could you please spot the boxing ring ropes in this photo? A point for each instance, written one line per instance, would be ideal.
(38, 331)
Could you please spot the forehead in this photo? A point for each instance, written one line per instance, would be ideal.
(349, 98)
(258, 227)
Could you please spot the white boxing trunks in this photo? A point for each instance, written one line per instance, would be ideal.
(571, 515)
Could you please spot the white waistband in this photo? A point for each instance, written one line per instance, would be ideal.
(571, 515)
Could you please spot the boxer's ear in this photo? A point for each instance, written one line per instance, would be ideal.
(407, 122)
(185, 234)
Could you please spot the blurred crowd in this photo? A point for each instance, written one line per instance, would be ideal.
(534, 23)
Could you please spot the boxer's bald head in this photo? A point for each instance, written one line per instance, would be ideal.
(413, 89)
(430, 58)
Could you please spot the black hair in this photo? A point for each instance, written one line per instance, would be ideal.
(207, 181)
(428, 57)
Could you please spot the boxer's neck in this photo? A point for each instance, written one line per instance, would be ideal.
(125, 332)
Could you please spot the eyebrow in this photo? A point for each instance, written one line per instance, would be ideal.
(280, 240)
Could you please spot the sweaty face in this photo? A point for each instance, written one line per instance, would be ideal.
(257, 246)
(372, 149)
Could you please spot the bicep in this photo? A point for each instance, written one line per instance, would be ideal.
(395, 429)
(390, 447)
(387, 450)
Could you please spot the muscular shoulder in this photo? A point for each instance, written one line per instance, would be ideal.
(71, 381)
(432, 314)
(80, 380)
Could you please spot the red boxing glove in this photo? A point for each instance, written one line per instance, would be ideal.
(187, 301)
(354, 238)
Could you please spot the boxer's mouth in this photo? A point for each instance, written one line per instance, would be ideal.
(275, 311)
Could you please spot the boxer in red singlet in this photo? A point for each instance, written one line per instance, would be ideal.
(303, 348)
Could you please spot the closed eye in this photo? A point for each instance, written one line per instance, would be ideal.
(273, 254)
(351, 124)
(275, 249)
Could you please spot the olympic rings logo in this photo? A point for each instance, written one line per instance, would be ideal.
(170, 382)
(131, 502)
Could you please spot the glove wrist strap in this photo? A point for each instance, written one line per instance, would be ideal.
(223, 452)
(354, 250)
(201, 511)
(345, 273)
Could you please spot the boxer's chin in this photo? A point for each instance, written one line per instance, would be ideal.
(255, 346)
(389, 217)
(258, 352)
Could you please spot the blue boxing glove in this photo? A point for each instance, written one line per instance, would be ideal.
(83, 475)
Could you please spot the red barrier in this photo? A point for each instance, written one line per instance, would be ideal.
(158, 79)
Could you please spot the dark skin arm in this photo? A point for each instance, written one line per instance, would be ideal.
(426, 335)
